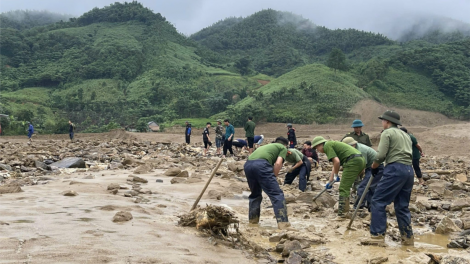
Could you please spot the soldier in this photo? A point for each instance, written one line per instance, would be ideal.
(219, 131)
(353, 163)
(261, 170)
(250, 133)
(396, 183)
(369, 155)
(358, 135)
(301, 167)
(417, 154)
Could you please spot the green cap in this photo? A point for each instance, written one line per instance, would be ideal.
(391, 116)
(219, 120)
(349, 140)
(317, 141)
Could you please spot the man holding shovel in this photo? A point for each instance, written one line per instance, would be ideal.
(261, 170)
(369, 155)
(396, 184)
(353, 163)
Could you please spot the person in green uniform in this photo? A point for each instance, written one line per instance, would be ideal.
(369, 155)
(353, 163)
(250, 133)
(417, 154)
(261, 170)
(358, 135)
(396, 184)
(301, 167)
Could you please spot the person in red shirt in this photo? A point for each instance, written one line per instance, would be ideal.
(311, 154)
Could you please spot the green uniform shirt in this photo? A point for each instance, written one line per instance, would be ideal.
(394, 146)
(250, 129)
(363, 138)
(269, 152)
(338, 149)
(294, 156)
(414, 142)
(368, 153)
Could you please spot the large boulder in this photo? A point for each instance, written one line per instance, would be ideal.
(5, 167)
(122, 217)
(71, 162)
(173, 172)
(459, 204)
(10, 189)
(183, 174)
(139, 179)
(142, 169)
(325, 200)
(446, 226)
(290, 246)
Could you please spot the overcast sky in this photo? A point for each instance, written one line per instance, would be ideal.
(189, 16)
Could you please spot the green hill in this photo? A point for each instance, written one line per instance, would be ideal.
(277, 42)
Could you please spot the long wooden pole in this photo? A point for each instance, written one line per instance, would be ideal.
(361, 200)
(207, 184)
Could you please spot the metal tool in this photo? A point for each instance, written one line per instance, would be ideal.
(361, 200)
(318, 195)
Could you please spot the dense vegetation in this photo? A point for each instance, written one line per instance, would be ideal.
(124, 65)
(21, 19)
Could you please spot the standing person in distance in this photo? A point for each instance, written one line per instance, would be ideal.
(71, 130)
(30, 131)
(417, 154)
(219, 131)
(187, 133)
(206, 138)
(229, 134)
(291, 136)
(358, 135)
(262, 170)
(396, 183)
(250, 133)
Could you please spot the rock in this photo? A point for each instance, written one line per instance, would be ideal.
(446, 226)
(115, 166)
(378, 260)
(70, 162)
(325, 200)
(279, 248)
(10, 189)
(70, 193)
(139, 179)
(446, 207)
(291, 246)
(183, 174)
(461, 177)
(294, 258)
(173, 172)
(160, 181)
(214, 194)
(39, 164)
(177, 180)
(142, 169)
(277, 237)
(438, 186)
(127, 162)
(413, 208)
(114, 191)
(459, 204)
(466, 223)
(114, 186)
(122, 217)
(89, 177)
(235, 166)
(5, 167)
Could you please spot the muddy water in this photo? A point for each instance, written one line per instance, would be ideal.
(79, 229)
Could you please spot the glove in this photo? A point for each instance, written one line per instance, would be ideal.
(375, 171)
(329, 185)
(337, 178)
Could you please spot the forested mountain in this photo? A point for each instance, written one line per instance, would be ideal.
(278, 42)
(124, 65)
(24, 19)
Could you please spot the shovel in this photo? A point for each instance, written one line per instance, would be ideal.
(361, 200)
(324, 190)
(207, 184)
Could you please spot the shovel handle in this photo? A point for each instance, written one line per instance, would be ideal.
(207, 184)
(324, 190)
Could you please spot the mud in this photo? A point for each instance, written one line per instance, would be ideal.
(40, 225)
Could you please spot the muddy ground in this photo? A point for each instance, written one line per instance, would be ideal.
(41, 225)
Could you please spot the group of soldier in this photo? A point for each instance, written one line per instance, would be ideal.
(391, 168)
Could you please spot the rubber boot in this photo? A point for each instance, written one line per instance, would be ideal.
(407, 241)
(343, 208)
(374, 241)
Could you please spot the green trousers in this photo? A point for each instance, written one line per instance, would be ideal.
(351, 170)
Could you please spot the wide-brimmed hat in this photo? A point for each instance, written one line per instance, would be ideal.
(357, 123)
(317, 141)
(391, 116)
(349, 140)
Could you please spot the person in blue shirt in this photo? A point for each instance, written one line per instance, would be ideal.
(187, 132)
(229, 134)
(258, 140)
(30, 131)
